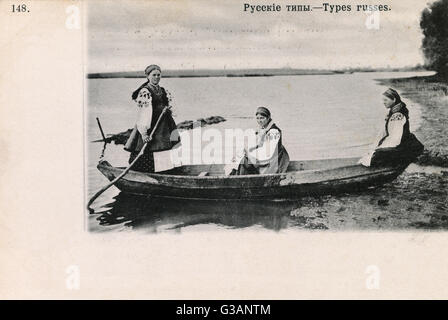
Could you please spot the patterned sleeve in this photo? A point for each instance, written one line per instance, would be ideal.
(143, 122)
(395, 129)
(267, 150)
(135, 93)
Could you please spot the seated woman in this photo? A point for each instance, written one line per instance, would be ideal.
(396, 144)
(151, 100)
(268, 155)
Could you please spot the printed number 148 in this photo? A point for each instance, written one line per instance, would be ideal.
(20, 8)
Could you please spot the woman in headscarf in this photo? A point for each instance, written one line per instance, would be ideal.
(396, 144)
(268, 155)
(151, 100)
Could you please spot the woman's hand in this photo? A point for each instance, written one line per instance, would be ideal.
(248, 150)
(146, 139)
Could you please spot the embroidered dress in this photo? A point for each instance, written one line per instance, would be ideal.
(396, 144)
(268, 156)
(164, 138)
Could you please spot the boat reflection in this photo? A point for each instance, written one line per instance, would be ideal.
(155, 214)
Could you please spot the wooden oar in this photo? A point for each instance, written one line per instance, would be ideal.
(99, 192)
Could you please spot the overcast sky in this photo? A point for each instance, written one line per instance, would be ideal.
(186, 34)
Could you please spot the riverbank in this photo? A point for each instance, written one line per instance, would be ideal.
(431, 93)
(204, 73)
(269, 72)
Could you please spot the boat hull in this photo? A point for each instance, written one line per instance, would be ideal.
(294, 184)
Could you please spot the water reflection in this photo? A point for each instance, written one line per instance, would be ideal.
(155, 214)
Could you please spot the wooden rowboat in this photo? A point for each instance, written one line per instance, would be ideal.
(303, 178)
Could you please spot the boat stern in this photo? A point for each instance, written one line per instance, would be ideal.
(106, 169)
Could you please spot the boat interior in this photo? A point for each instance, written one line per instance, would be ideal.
(204, 170)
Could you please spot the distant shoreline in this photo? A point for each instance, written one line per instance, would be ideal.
(203, 73)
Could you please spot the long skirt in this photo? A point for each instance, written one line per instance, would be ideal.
(145, 163)
(404, 154)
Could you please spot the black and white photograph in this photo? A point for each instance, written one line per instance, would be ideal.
(211, 115)
(230, 157)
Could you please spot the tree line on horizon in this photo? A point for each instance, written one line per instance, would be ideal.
(434, 25)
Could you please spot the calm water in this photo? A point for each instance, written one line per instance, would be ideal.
(321, 116)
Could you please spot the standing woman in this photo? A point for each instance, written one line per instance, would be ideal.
(151, 100)
(396, 144)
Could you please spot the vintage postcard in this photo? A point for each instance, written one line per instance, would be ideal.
(192, 149)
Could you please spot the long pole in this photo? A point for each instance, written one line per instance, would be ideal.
(101, 129)
(99, 192)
